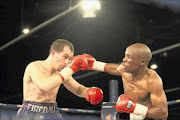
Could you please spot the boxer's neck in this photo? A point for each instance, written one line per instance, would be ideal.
(137, 75)
(47, 64)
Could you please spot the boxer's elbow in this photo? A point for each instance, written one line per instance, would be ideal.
(158, 113)
(164, 113)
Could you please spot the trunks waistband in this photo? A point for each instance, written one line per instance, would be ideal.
(40, 107)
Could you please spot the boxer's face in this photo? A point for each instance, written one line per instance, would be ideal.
(131, 60)
(62, 58)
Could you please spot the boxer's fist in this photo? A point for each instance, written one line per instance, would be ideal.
(90, 60)
(75, 64)
(94, 95)
(128, 104)
(93, 64)
(125, 104)
(78, 63)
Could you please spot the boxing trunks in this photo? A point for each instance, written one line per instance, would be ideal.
(38, 111)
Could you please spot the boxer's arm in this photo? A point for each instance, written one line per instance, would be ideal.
(113, 69)
(93, 95)
(76, 88)
(159, 109)
(48, 83)
(43, 82)
(93, 64)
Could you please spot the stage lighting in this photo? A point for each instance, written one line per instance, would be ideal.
(90, 7)
(25, 30)
(153, 66)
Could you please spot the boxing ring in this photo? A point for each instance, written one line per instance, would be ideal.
(107, 112)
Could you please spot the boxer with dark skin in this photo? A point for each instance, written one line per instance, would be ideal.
(143, 96)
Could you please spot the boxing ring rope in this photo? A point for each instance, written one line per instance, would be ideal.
(172, 90)
(4, 108)
(106, 108)
(71, 110)
(173, 102)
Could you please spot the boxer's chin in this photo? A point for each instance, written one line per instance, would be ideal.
(60, 68)
(124, 67)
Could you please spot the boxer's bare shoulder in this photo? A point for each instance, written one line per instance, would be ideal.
(155, 84)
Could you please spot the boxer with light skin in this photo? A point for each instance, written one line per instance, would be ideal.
(43, 78)
(143, 96)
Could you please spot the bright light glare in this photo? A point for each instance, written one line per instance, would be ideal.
(154, 66)
(91, 4)
(26, 31)
(89, 14)
(89, 8)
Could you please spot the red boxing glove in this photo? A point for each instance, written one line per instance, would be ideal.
(90, 60)
(127, 104)
(78, 63)
(93, 64)
(94, 95)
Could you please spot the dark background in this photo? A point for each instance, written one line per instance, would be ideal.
(119, 24)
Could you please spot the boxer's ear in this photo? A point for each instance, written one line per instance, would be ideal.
(53, 52)
(143, 62)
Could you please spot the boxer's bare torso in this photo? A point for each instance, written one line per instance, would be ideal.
(146, 88)
(138, 88)
(144, 85)
(32, 91)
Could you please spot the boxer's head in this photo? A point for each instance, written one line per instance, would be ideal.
(61, 51)
(58, 45)
(136, 56)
